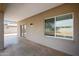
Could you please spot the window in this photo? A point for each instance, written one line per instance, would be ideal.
(60, 26)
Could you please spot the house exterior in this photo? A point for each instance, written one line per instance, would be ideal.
(56, 28)
(10, 29)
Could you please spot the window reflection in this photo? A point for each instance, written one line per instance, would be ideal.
(50, 27)
(64, 26)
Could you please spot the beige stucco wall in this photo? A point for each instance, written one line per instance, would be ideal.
(35, 32)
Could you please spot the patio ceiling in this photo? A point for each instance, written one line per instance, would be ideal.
(20, 11)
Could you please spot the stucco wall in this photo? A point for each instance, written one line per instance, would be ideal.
(36, 31)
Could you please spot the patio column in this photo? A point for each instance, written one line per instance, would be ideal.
(1, 30)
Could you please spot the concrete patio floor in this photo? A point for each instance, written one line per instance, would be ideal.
(15, 46)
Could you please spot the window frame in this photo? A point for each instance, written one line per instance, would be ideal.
(55, 26)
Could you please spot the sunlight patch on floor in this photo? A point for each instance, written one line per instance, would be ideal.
(10, 39)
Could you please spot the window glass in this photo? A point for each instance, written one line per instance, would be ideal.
(64, 26)
(50, 27)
